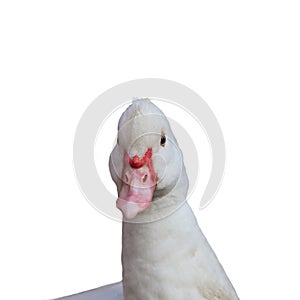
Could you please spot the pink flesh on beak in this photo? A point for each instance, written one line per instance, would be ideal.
(138, 185)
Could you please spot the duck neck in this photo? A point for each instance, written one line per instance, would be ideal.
(146, 247)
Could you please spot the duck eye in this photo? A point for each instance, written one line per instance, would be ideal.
(163, 140)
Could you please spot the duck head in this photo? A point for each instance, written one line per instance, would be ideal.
(146, 163)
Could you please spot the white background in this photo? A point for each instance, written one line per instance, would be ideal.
(242, 57)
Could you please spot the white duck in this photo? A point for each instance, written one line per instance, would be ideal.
(164, 254)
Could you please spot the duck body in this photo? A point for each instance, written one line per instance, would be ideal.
(165, 256)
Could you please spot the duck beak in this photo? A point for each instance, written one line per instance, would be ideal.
(138, 185)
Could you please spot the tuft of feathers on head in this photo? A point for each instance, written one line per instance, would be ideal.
(139, 107)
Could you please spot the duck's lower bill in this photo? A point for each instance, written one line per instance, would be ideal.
(131, 208)
(133, 200)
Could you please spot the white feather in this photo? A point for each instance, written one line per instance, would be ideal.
(164, 253)
(168, 258)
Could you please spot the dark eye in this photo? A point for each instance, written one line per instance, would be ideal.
(163, 139)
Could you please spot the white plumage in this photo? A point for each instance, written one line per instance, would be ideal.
(164, 253)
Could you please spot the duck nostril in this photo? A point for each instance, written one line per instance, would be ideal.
(126, 178)
(144, 179)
